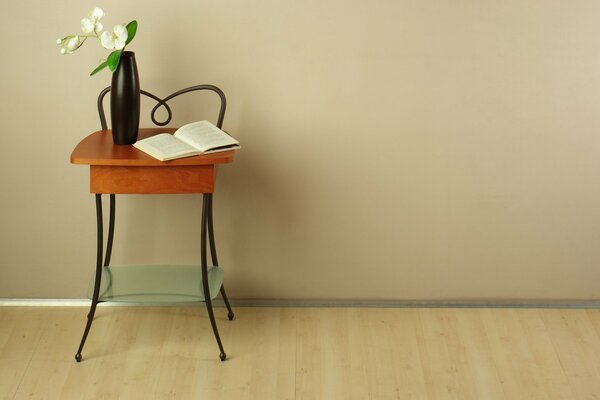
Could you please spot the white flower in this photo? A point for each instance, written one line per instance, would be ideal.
(116, 39)
(69, 44)
(92, 24)
(89, 26)
(96, 14)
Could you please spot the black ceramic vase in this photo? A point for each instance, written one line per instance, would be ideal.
(125, 100)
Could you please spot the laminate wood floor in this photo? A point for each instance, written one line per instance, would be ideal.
(301, 353)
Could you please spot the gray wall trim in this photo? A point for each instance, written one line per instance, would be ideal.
(475, 303)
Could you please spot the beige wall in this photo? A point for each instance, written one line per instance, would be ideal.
(392, 150)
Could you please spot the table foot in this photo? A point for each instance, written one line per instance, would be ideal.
(78, 357)
(222, 356)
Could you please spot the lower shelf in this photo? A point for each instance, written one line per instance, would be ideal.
(156, 283)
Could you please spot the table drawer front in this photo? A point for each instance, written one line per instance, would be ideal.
(152, 180)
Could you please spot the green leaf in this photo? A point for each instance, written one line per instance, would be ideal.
(113, 60)
(99, 68)
(131, 30)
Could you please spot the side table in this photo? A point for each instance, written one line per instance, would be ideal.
(118, 169)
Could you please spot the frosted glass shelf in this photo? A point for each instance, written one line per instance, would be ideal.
(156, 283)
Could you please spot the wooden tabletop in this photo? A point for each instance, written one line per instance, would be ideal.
(99, 149)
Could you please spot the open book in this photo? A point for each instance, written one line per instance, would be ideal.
(192, 139)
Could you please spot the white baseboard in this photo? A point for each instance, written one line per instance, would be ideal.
(86, 303)
(44, 302)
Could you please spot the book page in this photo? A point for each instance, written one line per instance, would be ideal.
(204, 136)
(165, 147)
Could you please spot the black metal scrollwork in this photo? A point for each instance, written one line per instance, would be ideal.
(163, 103)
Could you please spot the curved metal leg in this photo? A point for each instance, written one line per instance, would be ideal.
(213, 254)
(111, 231)
(207, 299)
(90, 316)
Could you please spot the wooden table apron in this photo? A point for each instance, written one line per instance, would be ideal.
(122, 169)
(107, 179)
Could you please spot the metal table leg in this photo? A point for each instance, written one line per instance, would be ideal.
(90, 316)
(205, 212)
(213, 254)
